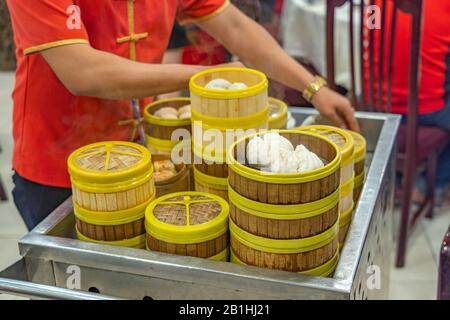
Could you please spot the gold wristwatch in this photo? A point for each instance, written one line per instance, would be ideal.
(313, 87)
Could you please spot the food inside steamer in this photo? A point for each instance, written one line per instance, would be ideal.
(172, 113)
(222, 84)
(276, 154)
(164, 170)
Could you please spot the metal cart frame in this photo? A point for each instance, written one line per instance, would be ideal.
(52, 257)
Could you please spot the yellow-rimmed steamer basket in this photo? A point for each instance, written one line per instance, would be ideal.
(190, 224)
(346, 144)
(179, 182)
(278, 114)
(111, 176)
(220, 117)
(360, 157)
(285, 221)
(159, 132)
(211, 184)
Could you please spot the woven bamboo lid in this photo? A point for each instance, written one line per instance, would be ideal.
(109, 162)
(340, 137)
(187, 217)
(360, 146)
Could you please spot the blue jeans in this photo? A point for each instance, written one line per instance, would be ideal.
(440, 119)
(35, 201)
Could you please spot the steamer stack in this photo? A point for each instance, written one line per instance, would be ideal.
(112, 184)
(216, 111)
(286, 221)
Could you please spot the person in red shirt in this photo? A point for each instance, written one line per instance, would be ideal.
(434, 75)
(80, 62)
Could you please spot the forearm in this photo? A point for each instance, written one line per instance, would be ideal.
(103, 75)
(257, 48)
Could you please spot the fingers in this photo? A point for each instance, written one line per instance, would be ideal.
(335, 119)
(348, 114)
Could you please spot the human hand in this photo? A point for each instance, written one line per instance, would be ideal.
(335, 108)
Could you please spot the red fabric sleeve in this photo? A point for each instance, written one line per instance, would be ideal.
(43, 24)
(199, 10)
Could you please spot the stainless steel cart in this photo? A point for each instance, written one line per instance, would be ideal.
(52, 257)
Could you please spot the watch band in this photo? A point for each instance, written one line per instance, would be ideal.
(313, 87)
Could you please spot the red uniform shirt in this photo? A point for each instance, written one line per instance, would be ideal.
(48, 122)
(434, 72)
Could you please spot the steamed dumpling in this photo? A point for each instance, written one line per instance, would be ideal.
(306, 159)
(285, 162)
(218, 84)
(258, 152)
(237, 86)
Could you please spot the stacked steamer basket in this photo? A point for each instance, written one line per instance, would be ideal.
(278, 117)
(189, 224)
(360, 158)
(345, 143)
(163, 134)
(112, 184)
(172, 178)
(218, 112)
(286, 221)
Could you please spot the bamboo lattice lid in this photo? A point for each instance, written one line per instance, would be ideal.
(340, 137)
(109, 162)
(187, 217)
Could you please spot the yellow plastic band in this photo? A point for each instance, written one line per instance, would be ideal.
(152, 119)
(284, 212)
(347, 187)
(360, 146)
(347, 150)
(284, 178)
(136, 242)
(223, 124)
(113, 218)
(221, 256)
(359, 180)
(322, 271)
(187, 234)
(216, 182)
(346, 217)
(201, 91)
(283, 246)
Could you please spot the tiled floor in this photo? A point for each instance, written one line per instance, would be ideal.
(417, 280)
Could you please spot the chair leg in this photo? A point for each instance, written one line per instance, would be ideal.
(408, 185)
(3, 196)
(431, 182)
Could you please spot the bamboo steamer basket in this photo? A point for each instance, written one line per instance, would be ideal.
(345, 142)
(210, 184)
(278, 114)
(227, 104)
(284, 221)
(158, 130)
(136, 242)
(325, 270)
(359, 184)
(111, 176)
(111, 226)
(346, 199)
(344, 224)
(295, 255)
(360, 152)
(179, 182)
(291, 188)
(190, 224)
